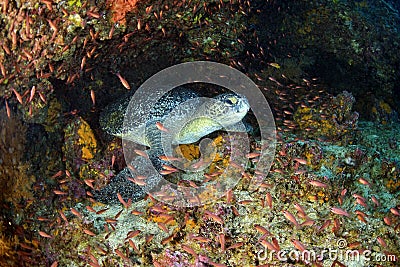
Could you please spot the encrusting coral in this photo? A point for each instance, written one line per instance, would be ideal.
(15, 183)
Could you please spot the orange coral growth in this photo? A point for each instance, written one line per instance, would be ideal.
(119, 9)
(7, 250)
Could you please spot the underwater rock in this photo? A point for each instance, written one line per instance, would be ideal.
(15, 180)
(122, 183)
(80, 144)
(334, 120)
(383, 113)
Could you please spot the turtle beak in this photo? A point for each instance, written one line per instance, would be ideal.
(243, 104)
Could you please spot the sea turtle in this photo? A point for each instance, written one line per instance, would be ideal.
(183, 114)
(201, 116)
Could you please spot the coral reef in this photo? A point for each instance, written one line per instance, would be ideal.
(16, 182)
(7, 250)
(80, 144)
(237, 229)
(383, 113)
(69, 42)
(334, 120)
(120, 8)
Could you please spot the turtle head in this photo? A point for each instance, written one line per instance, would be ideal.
(224, 111)
(228, 109)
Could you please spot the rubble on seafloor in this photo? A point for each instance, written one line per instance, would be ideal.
(233, 230)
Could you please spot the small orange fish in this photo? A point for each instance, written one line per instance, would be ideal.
(33, 92)
(340, 211)
(361, 202)
(361, 218)
(53, 25)
(148, 238)
(140, 153)
(88, 232)
(42, 97)
(229, 196)
(43, 234)
(318, 183)
(63, 216)
(189, 250)
(395, 211)
(76, 213)
(213, 217)
(89, 182)
(245, 202)
(324, 225)
(133, 245)
(298, 245)
(93, 97)
(169, 168)
(83, 62)
(364, 182)
(166, 172)
(359, 196)
(301, 161)
(93, 14)
(8, 109)
(58, 192)
(163, 227)
(343, 193)
(123, 81)
(148, 9)
(19, 97)
(132, 234)
(199, 164)
(268, 199)
(122, 200)
(137, 181)
(136, 212)
(161, 127)
(381, 242)
(236, 245)
(262, 229)
(375, 200)
(169, 158)
(119, 253)
(269, 245)
(307, 223)
(112, 161)
(201, 239)
(89, 208)
(290, 217)
(222, 241)
(275, 65)
(300, 209)
(253, 155)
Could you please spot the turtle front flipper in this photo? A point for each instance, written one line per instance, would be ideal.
(124, 182)
(120, 184)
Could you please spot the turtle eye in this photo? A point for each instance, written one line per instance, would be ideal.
(232, 100)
